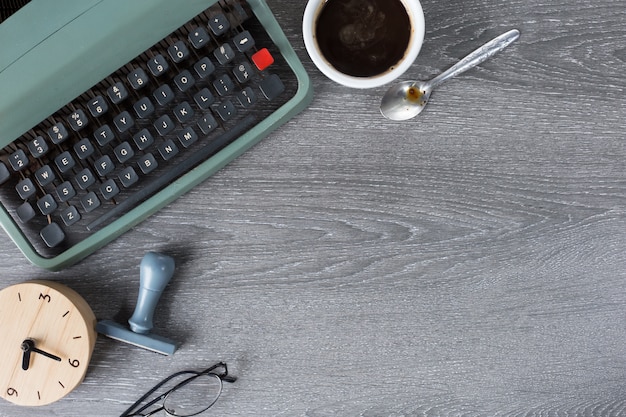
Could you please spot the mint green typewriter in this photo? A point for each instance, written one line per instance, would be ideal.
(111, 109)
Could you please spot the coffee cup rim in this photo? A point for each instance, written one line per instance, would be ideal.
(416, 13)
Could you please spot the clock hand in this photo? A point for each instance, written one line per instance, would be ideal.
(26, 357)
(28, 346)
(46, 354)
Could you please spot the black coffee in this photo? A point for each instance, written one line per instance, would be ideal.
(363, 38)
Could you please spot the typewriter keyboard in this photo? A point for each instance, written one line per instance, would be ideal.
(153, 120)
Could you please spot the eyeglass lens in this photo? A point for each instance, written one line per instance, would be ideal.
(193, 396)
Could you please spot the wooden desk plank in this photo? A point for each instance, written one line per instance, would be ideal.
(469, 262)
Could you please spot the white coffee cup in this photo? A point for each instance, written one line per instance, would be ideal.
(416, 19)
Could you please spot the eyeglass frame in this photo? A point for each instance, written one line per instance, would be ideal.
(222, 376)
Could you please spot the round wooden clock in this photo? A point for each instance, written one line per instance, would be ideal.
(47, 336)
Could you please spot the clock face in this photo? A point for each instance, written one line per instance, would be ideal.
(47, 335)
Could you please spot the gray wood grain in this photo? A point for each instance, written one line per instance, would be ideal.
(471, 262)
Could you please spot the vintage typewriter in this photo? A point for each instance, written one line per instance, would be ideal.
(111, 109)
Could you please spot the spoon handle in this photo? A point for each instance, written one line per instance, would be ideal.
(478, 56)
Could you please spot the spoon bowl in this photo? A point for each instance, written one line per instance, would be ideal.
(406, 100)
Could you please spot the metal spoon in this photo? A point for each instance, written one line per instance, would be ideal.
(406, 100)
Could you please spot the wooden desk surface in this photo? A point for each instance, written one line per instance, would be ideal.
(470, 262)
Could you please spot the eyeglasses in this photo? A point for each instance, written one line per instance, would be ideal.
(190, 393)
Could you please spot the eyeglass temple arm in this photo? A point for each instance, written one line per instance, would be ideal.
(222, 375)
(148, 394)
